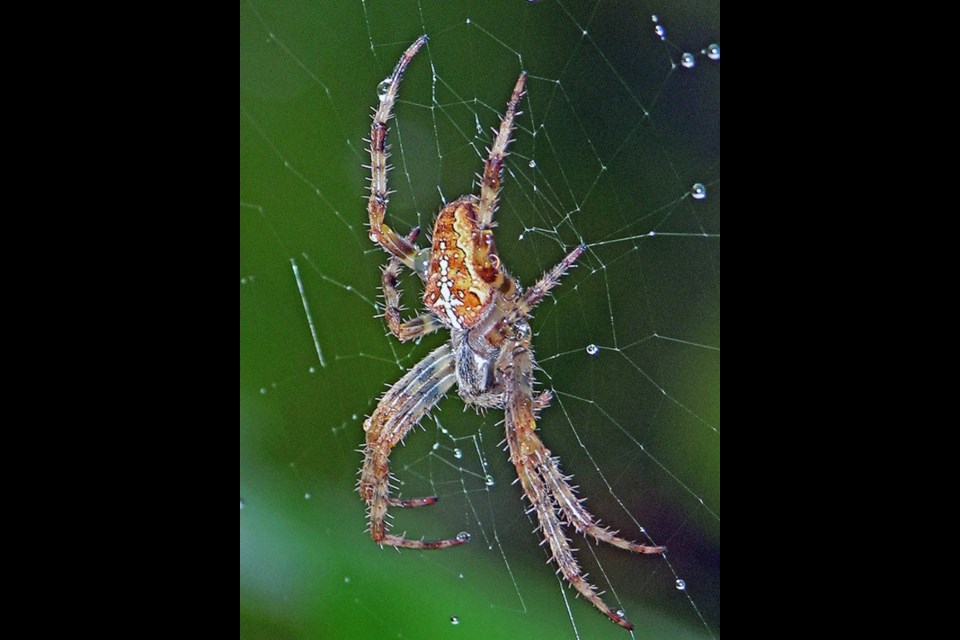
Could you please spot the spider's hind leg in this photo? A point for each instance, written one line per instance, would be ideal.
(380, 232)
(493, 169)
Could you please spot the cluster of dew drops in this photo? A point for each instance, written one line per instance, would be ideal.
(687, 59)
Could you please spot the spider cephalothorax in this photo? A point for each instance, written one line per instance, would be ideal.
(489, 356)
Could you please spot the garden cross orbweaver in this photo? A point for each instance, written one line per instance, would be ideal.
(488, 357)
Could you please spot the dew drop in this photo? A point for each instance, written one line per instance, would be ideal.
(457, 454)
(263, 391)
(621, 613)
(354, 416)
(660, 31)
(454, 620)
(592, 349)
(698, 191)
(655, 18)
(306, 496)
(372, 236)
(241, 503)
(463, 536)
(490, 481)
(687, 60)
(532, 164)
(436, 445)
(312, 370)
(383, 88)
(713, 51)
(346, 579)
(681, 585)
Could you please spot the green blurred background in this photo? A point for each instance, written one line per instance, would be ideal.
(618, 132)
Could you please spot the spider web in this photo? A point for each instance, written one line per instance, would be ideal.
(617, 147)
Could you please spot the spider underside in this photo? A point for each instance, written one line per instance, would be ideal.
(489, 356)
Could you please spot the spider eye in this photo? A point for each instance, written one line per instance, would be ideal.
(421, 262)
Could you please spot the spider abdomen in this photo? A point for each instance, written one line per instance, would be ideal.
(464, 272)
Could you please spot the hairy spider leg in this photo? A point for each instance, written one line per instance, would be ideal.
(380, 232)
(493, 169)
(523, 307)
(399, 410)
(543, 483)
(419, 326)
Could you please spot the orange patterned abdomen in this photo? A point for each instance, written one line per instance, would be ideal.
(462, 266)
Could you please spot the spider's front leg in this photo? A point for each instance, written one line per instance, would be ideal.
(399, 410)
(380, 232)
(547, 489)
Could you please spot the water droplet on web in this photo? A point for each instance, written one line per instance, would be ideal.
(457, 454)
(687, 60)
(490, 481)
(383, 88)
(354, 416)
(592, 349)
(263, 391)
(436, 445)
(698, 191)
(306, 496)
(372, 236)
(533, 164)
(312, 370)
(463, 536)
(713, 51)
(346, 579)
(655, 18)
(660, 31)
(681, 585)
(621, 613)
(454, 620)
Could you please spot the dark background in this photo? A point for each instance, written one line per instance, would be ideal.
(619, 133)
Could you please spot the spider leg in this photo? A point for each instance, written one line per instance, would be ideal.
(581, 519)
(495, 401)
(493, 169)
(411, 329)
(548, 491)
(399, 410)
(550, 279)
(380, 232)
(534, 295)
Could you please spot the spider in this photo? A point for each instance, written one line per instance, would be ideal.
(489, 355)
